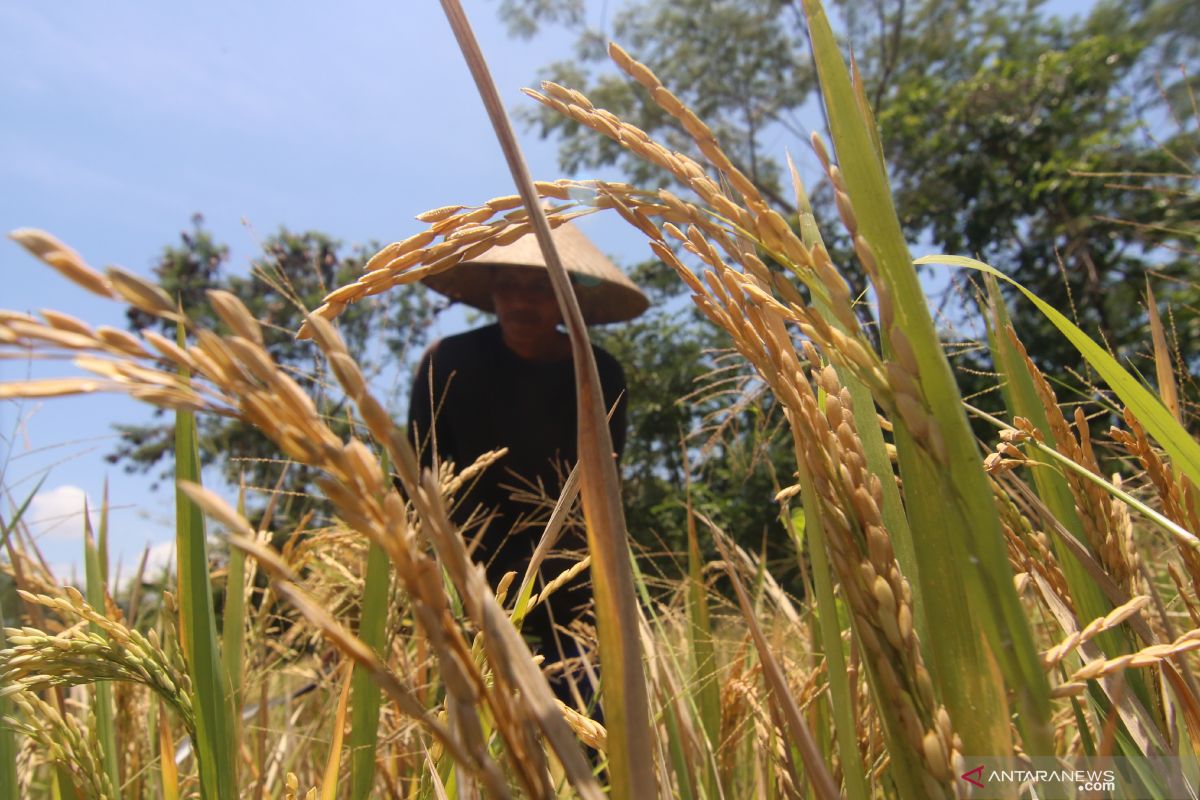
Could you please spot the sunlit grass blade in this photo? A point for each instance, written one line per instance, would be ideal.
(704, 681)
(233, 624)
(329, 781)
(197, 625)
(1168, 391)
(364, 716)
(801, 738)
(1149, 410)
(960, 552)
(168, 773)
(1022, 400)
(106, 729)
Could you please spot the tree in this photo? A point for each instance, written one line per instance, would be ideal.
(1032, 115)
(680, 380)
(996, 119)
(294, 272)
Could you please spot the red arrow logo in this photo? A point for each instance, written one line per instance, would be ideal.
(977, 772)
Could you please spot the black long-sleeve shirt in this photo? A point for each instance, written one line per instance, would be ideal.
(486, 397)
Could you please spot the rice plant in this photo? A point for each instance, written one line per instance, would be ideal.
(1007, 601)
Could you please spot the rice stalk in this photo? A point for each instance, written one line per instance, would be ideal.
(97, 591)
(937, 456)
(35, 660)
(625, 700)
(364, 716)
(233, 625)
(815, 770)
(168, 773)
(211, 684)
(703, 679)
(329, 781)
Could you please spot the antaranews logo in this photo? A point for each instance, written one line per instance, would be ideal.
(1072, 778)
(972, 776)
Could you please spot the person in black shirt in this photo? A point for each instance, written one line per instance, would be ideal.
(512, 385)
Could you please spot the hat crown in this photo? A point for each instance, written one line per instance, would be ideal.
(605, 293)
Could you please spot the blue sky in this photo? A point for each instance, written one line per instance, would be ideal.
(120, 120)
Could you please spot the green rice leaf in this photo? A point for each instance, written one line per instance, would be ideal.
(1149, 410)
(20, 512)
(364, 715)
(684, 771)
(102, 535)
(198, 628)
(234, 621)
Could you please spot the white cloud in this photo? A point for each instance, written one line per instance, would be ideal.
(162, 556)
(58, 513)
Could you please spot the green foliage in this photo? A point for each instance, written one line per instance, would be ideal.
(198, 627)
(764, 75)
(1034, 113)
(1045, 118)
(680, 389)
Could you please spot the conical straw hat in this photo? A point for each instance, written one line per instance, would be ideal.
(604, 293)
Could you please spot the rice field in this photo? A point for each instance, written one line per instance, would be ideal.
(1005, 599)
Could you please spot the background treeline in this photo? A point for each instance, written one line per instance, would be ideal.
(1062, 151)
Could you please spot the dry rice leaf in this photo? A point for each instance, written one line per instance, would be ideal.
(55, 387)
(1162, 357)
(62, 338)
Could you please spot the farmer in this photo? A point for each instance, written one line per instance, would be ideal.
(512, 385)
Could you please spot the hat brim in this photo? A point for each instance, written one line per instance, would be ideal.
(604, 293)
